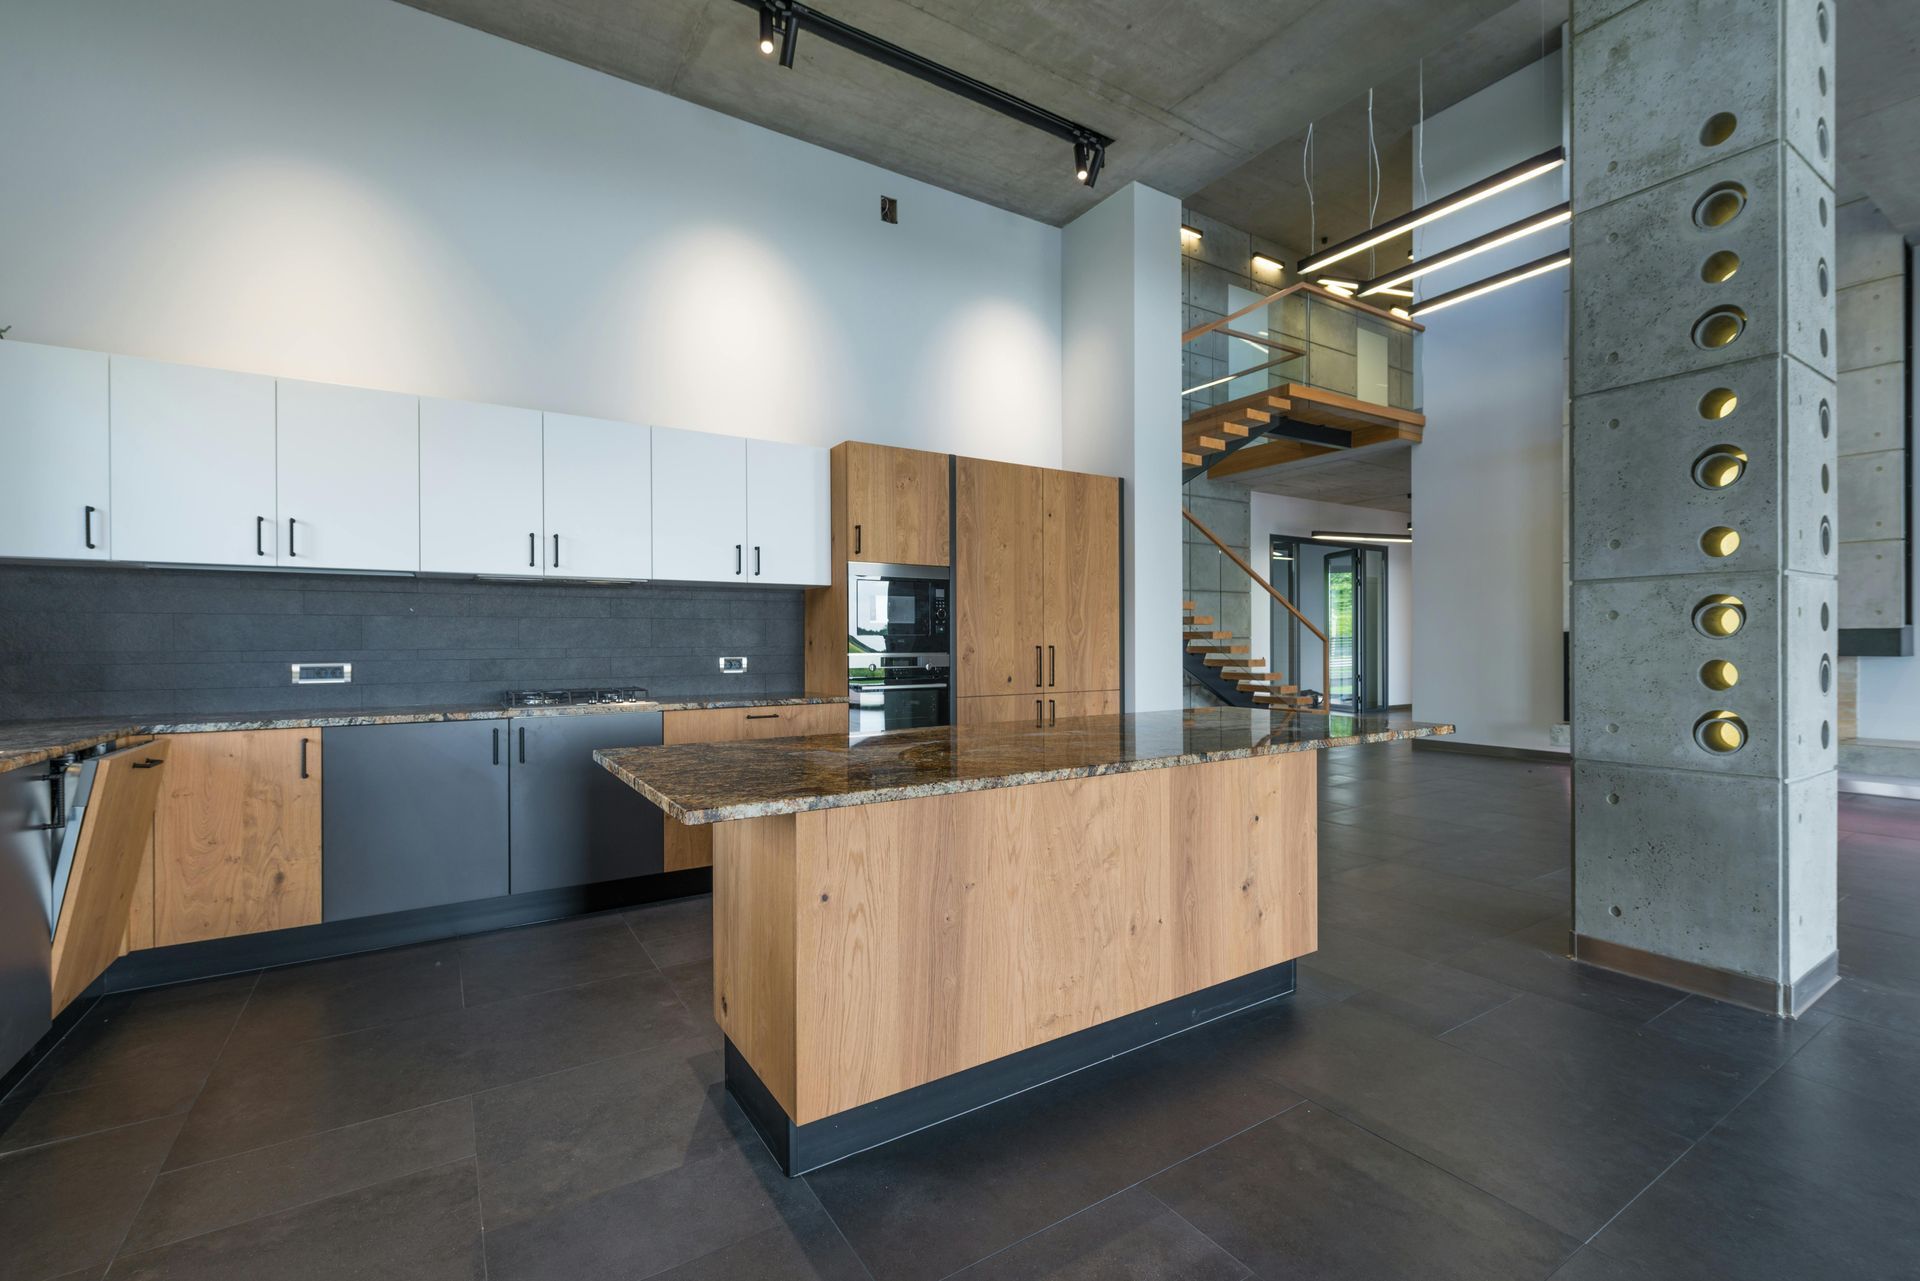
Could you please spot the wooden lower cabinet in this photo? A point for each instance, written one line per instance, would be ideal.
(692, 846)
(1040, 710)
(236, 844)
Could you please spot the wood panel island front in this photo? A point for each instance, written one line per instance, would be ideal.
(910, 925)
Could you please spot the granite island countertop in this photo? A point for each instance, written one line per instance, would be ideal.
(714, 782)
(24, 743)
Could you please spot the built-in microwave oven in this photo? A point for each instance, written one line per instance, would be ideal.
(899, 649)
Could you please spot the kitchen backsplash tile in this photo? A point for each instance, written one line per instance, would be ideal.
(105, 641)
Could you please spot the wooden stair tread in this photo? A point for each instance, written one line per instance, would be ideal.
(1205, 620)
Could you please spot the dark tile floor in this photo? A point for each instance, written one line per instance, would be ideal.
(1446, 1097)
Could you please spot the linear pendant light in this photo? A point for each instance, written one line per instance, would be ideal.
(1513, 176)
(1525, 271)
(1337, 536)
(1506, 235)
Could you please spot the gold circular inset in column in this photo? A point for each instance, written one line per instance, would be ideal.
(1722, 203)
(1720, 541)
(1719, 467)
(1720, 732)
(1719, 327)
(1718, 673)
(1719, 403)
(1719, 267)
(1719, 127)
(1719, 616)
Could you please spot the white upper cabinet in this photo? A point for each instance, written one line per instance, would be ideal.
(348, 477)
(53, 435)
(599, 499)
(193, 465)
(480, 489)
(787, 514)
(699, 507)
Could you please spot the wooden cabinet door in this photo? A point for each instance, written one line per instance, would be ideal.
(480, 489)
(348, 477)
(53, 434)
(699, 507)
(1064, 705)
(787, 504)
(1082, 582)
(998, 583)
(237, 836)
(897, 505)
(692, 846)
(92, 917)
(599, 499)
(193, 464)
(982, 709)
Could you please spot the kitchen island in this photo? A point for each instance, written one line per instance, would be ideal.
(912, 924)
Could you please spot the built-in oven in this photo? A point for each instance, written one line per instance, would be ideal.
(899, 651)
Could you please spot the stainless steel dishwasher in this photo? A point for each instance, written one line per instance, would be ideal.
(28, 841)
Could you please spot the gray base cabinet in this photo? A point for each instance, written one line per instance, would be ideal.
(414, 816)
(573, 823)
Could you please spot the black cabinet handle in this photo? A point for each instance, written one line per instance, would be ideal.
(738, 563)
(1053, 666)
(523, 744)
(556, 551)
(856, 540)
(90, 512)
(496, 744)
(763, 716)
(146, 764)
(756, 560)
(1039, 668)
(303, 759)
(259, 535)
(290, 552)
(1037, 721)
(533, 550)
(1053, 712)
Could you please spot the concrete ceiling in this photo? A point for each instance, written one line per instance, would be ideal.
(1202, 96)
(1380, 476)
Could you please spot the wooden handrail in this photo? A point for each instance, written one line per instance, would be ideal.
(1304, 287)
(1326, 646)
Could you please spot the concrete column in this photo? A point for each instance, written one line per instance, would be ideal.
(1120, 313)
(1704, 551)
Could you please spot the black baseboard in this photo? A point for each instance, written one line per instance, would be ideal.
(1544, 754)
(800, 1148)
(62, 1024)
(184, 962)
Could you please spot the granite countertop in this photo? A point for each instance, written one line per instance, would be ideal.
(714, 782)
(24, 743)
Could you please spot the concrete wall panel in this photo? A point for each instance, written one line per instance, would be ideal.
(1872, 409)
(1875, 575)
(1873, 328)
(1873, 494)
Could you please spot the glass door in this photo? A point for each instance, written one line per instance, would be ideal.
(1343, 570)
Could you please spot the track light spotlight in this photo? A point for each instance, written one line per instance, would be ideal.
(766, 31)
(1094, 164)
(1082, 158)
(789, 37)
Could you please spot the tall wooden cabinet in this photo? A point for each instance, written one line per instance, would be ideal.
(896, 504)
(1036, 590)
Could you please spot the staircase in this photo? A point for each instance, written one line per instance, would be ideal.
(1218, 660)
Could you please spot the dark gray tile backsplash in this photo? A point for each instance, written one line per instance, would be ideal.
(112, 641)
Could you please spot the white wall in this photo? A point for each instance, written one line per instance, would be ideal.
(1488, 510)
(1271, 514)
(358, 192)
(1121, 413)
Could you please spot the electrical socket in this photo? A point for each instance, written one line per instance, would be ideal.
(733, 666)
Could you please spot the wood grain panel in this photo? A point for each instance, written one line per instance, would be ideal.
(1082, 581)
(937, 934)
(981, 709)
(237, 844)
(140, 908)
(106, 867)
(753, 924)
(897, 505)
(998, 571)
(692, 845)
(1091, 702)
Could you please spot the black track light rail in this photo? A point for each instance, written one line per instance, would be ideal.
(791, 17)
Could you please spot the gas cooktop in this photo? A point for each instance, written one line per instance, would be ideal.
(574, 697)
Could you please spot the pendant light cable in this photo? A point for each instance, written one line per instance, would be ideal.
(1373, 182)
(1306, 176)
